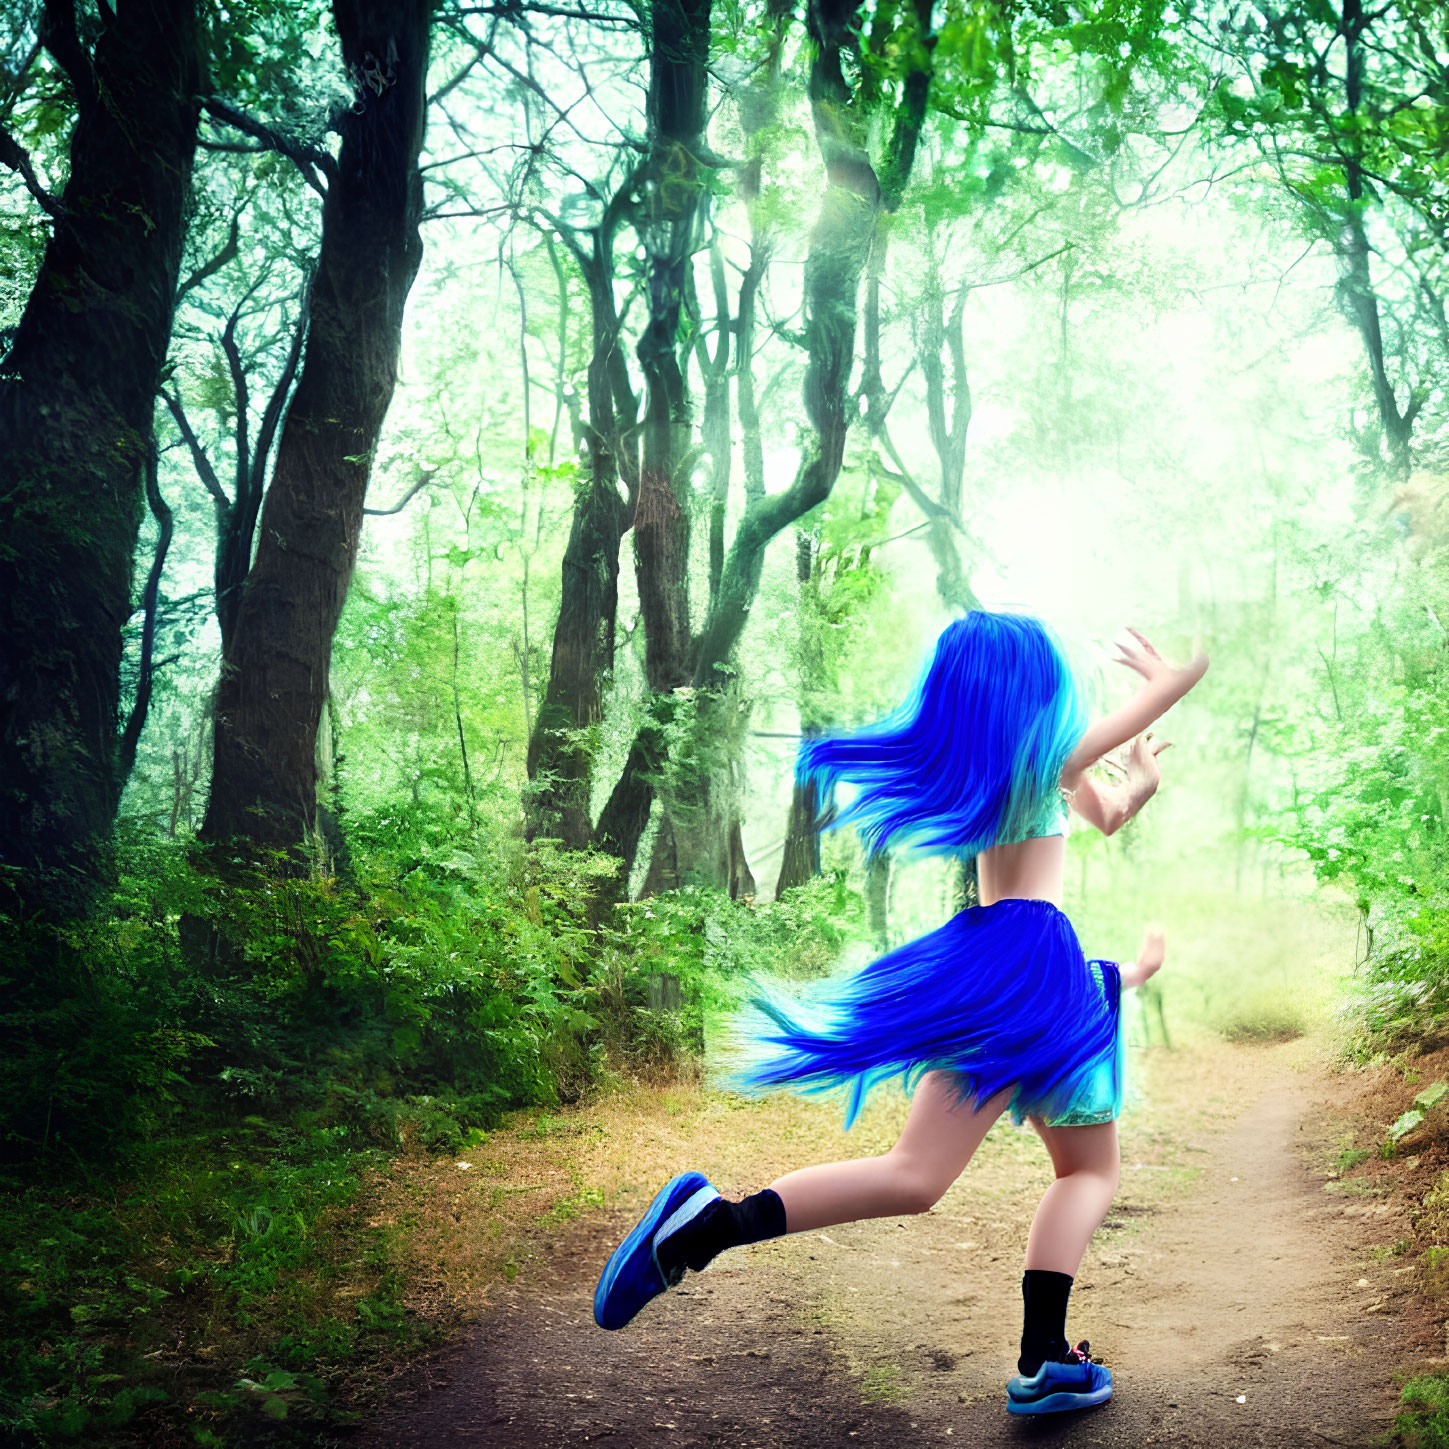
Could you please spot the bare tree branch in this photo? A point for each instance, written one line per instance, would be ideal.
(906, 479)
(224, 257)
(518, 11)
(204, 470)
(272, 414)
(423, 482)
(308, 159)
(1022, 270)
(464, 72)
(15, 156)
(238, 371)
(150, 596)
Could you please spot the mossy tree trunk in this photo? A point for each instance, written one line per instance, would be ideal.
(76, 395)
(560, 758)
(848, 238)
(672, 210)
(274, 682)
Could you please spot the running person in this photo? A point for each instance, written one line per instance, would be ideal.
(996, 1010)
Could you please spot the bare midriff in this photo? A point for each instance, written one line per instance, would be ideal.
(1029, 870)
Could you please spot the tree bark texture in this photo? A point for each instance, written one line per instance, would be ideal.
(801, 859)
(941, 338)
(845, 237)
(625, 815)
(878, 899)
(76, 393)
(672, 209)
(714, 430)
(274, 684)
(560, 761)
(703, 803)
(674, 204)
(1356, 293)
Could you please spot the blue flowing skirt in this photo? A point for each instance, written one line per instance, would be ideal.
(1001, 995)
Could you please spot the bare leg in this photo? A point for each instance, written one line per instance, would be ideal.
(1087, 1161)
(934, 1147)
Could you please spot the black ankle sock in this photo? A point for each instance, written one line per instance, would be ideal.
(722, 1225)
(1044, 1328)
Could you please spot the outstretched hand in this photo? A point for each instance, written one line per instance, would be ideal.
(1149, 959)
(1138, 766)
(1163, 684)
(1142, 657)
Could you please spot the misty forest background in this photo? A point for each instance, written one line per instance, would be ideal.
(450, 454)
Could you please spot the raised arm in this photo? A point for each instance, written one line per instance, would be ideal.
(1162, 686)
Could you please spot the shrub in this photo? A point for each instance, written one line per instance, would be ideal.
(710, 946)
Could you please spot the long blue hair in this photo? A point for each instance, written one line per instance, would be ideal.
(973, 756)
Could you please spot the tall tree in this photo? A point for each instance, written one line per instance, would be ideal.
(76, 395)
(1349, 107)
(560, 762)
(274, 682)
(856, 196)
(581, 192)
(670, 223)
(670, 218)
(860, 192)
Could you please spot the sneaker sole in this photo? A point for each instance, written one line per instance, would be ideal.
(643, 1234)
(1059, 1403)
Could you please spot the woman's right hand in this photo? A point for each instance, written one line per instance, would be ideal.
(1149, 959)
(1143, 772)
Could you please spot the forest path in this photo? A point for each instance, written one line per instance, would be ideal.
(1230, 1269)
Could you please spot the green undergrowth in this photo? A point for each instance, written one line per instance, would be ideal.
(209, 1292)
(195, 1080)
(1423, 1419)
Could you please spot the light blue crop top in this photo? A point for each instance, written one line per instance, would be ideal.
(1052, 817)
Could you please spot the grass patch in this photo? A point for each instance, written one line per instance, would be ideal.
(1432, 1220)
(882, 1383)
(1423, 1420)
(1396, 1249)
(1267, 1015)
(1349, 1158)
(1353, 1187)
(1434, 1273)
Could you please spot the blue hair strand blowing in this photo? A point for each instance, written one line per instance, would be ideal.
(973, 756)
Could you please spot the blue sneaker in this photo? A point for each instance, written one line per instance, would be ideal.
(633, 1275)
(1077, 1384)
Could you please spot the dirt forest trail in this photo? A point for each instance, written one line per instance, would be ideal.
(1235, 1296)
